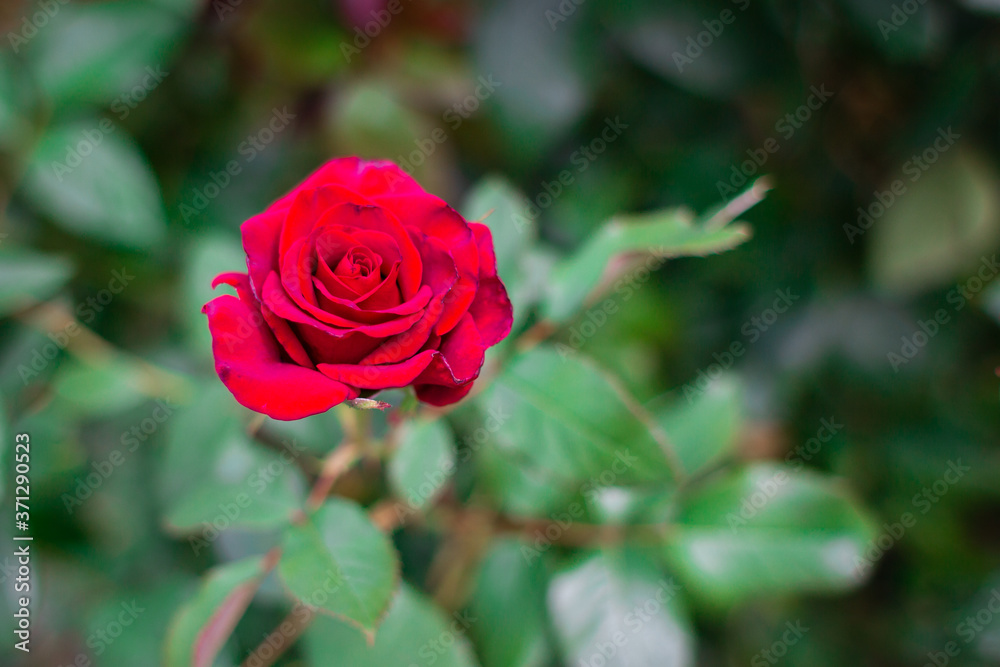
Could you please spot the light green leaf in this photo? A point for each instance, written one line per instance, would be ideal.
(214, 476)
(563, 415)
(202, 626)
(414, 632)
(97, 52)
(939, 228)
(765, 529)
(338, 561)
(423, 463)
(513, 230)
(661, 234)
(704, 430)
(114, 385)
(27, 277)
(618, 609)
(93, 181)
(509, 606)
(207, 256)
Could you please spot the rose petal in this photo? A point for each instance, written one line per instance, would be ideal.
(435, 219)
(492, 311)
(289, 342)
(376, 219)
(260, 242)
(248, 362)
(283, 306)
(386, 376)
(375, 177)
(462, 356)
(309, 207)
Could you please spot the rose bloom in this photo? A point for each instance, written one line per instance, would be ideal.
(357, 280)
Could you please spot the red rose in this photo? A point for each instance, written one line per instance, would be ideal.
(359, 280)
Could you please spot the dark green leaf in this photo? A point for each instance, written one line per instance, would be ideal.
(509, 606)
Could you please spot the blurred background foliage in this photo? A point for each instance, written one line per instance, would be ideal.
(136, 136)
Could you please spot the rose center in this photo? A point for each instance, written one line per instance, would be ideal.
(358, 262)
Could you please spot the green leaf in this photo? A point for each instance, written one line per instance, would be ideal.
(27, 277)
(704, 430)
(207, 256)
(563, 415)
(202, 626)
(110, 193)
(766, 530)
(423, 463)
(513, 230)
(213, 477)
(115, 385)
(661, 234)
(414, 632)
(616, 609)
(96, 52)
(509, 606)
(338, 561)
(939, 228)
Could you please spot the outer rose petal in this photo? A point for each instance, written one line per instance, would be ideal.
(365, 177)
(434, 218)
(449, 376)
(380, 377)
(279, 327)
(491, 309)
(248, 362)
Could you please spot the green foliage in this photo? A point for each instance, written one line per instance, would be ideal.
(338, 561)
(644, 473)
